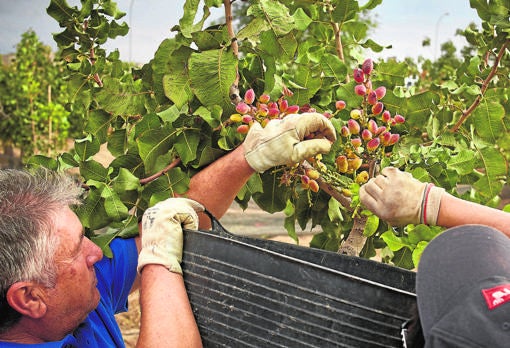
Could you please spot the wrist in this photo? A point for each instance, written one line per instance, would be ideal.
(243, 164)
(154, 255)
(431, 203)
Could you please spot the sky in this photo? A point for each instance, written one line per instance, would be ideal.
(404, 24)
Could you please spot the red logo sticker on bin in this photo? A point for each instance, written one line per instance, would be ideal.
(497, 295)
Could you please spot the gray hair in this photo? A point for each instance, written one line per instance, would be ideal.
(29, 206)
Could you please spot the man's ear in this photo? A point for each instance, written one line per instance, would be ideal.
(27, 298)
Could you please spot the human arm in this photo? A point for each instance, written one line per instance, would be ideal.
(283, 141)
(217, 185)
(167, 318)
(166, 315)
(288, 140)
(455, 211)
(400, 199)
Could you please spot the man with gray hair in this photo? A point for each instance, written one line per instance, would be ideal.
(57, 289)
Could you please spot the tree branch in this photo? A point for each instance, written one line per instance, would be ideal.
(234, 88)
(153, 177)
(330, 190)
(338, 45)
(485, 85)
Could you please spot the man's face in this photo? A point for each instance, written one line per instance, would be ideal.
(75, 294)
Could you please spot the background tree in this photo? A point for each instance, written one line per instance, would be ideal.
(167, 119)
(32, 99)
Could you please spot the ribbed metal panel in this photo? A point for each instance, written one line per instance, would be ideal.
(249, 292)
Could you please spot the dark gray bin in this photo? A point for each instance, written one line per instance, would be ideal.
(248, 292)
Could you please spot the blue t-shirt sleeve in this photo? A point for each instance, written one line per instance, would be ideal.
(116, 275)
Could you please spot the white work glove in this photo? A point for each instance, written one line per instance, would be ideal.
(288, 140)
(162, 232)
(398, 198)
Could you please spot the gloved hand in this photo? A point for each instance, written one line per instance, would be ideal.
(398, 198)
(162, 232)
(285, 141)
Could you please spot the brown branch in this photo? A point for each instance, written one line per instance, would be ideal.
(331, 190)
(234, 89)
(485, 85)
(355, 242)
(230, 27)
(147, 180)
(161, 172)
(338, 45)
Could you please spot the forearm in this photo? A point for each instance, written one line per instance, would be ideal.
(166, 315)
(454, 211)
(217, 185)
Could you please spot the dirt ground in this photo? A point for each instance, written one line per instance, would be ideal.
(250, 222)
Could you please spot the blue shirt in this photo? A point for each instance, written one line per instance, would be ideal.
(115, 277)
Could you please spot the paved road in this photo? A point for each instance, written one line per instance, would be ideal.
(255, 222)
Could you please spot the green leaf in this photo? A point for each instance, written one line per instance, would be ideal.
(305, 83)
(332, 66)
(176, 81)
(153, 144)
(117, 142)
(187, 21)
(186, 144)
(212, 73)
(334, 213)
(46, 162)
(110, 8)
(103, 241)
(495, 167)
(93, 170)
(92, 212)
(114, 207)
(392, 73)
(254, 185)
(275, 197)
(303, 208)
(282, 47)
(394, 243)
(126, 98)
(345, 10)
(419, 107)
(421, 233)
(463, 162)
(67, 161)
(126, 181)
(371, 226)
(488, 120)
(418, 251)
(290, 225)
(275, 13)
(301, 19)
(86, 147)
(173, 182)
(79, 90)
(359, 30)
(211, 38)
(253, 29)
(346, 93)
(148, 124)
(212, 116)
(403, 258)
(115, 29)
(374, 46)
(98, 123)
(371, 4)
(61, 11)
